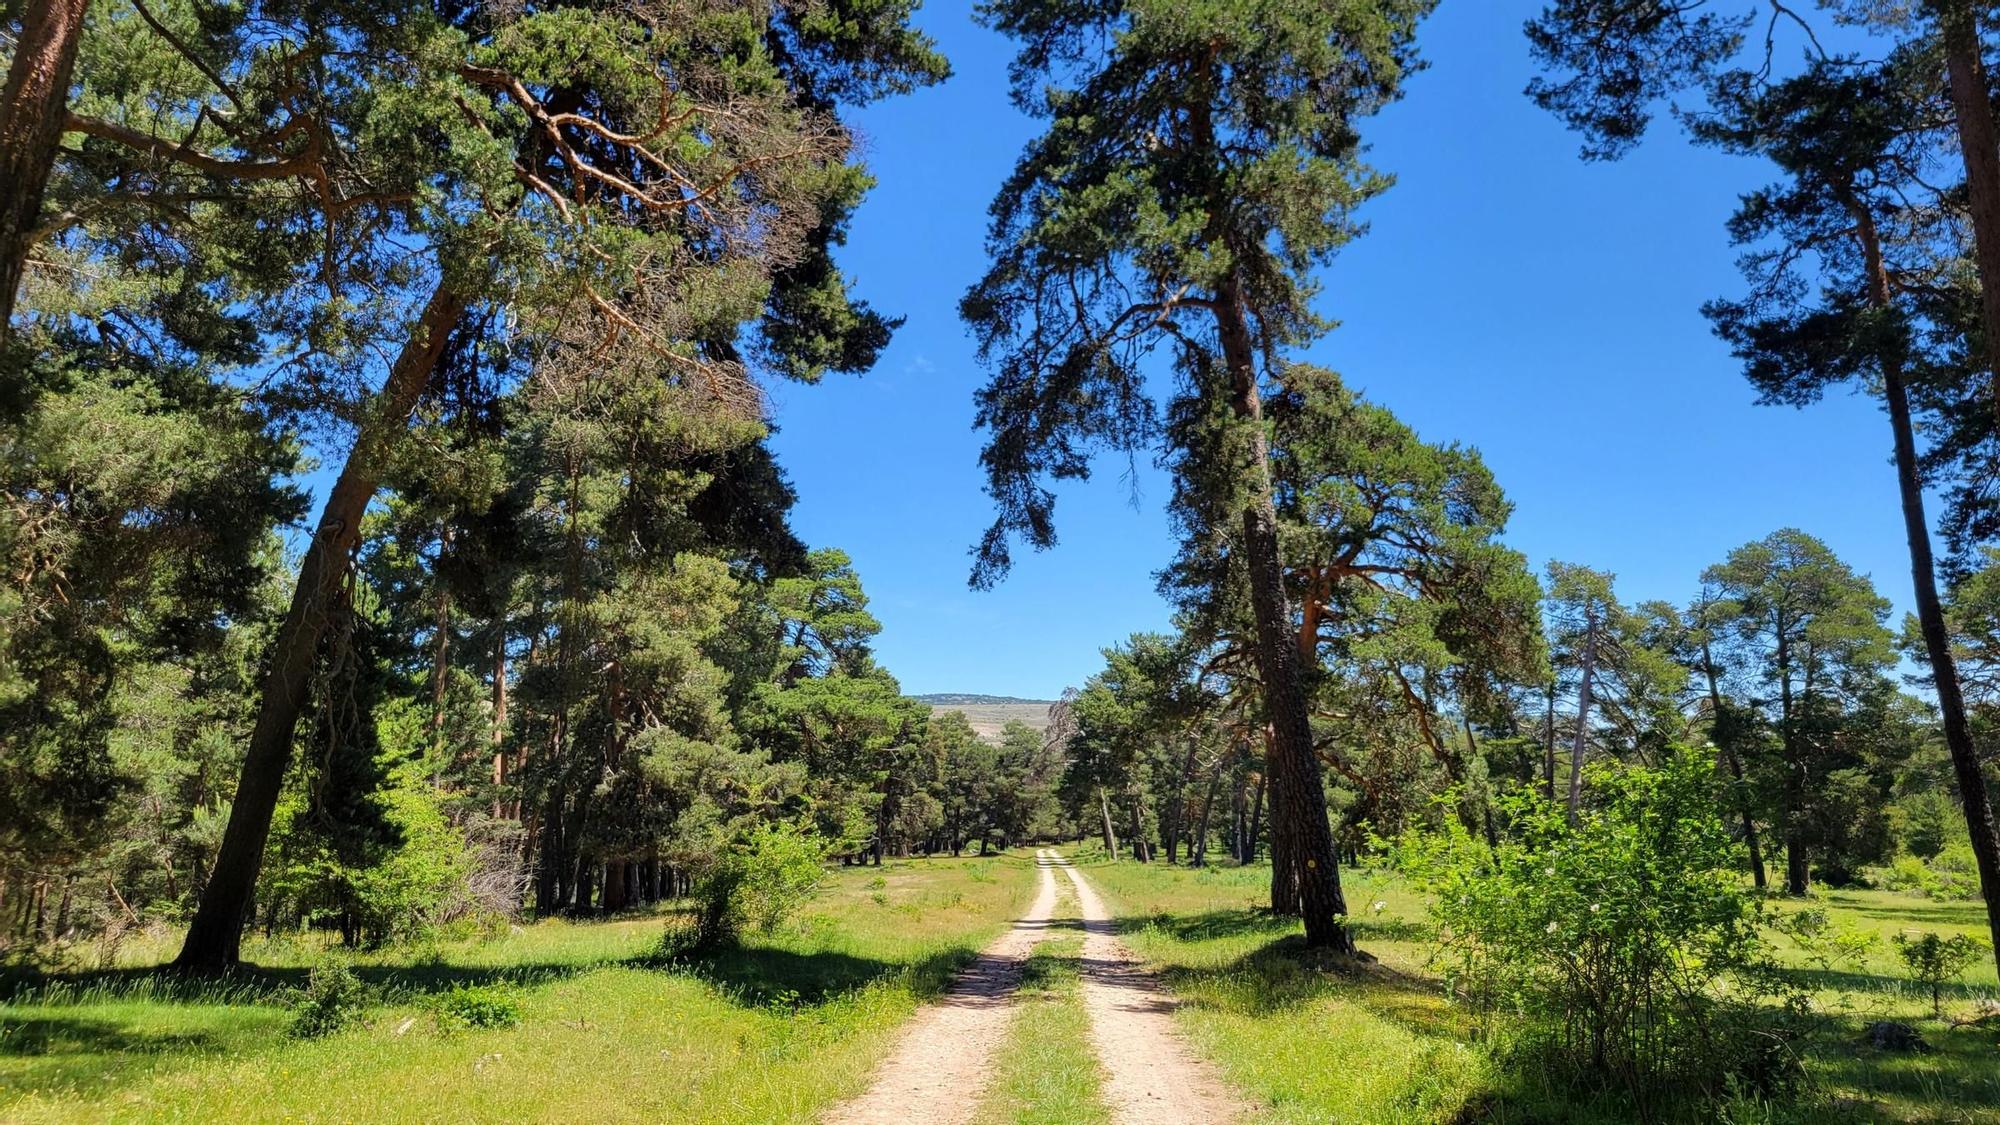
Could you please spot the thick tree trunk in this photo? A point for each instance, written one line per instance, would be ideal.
(1979, 148)
(215, 936)
(1798, 872)
(1581, 743)
(1110, 835)
(1298, 798)
(32, 111)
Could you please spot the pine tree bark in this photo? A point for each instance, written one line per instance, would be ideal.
(1298, 798)
(32, 111)
(1110, 834)
(1979, 149)
(1974, 800)
(214, 939)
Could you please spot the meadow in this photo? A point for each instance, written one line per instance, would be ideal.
(793, 1021)
(774, 1031)
(1386, 1045)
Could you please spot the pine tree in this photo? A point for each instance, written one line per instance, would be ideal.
(1200, 162)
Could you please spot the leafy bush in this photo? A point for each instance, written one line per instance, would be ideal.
(332, 999)
(478, 1006)
(1934, 958)
(759, 884)
(1951, 875)
(1623, 948)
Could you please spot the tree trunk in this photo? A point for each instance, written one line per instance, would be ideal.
(500, 718)
(214, 938)
(1298, 798)
(1198, 847)
(1549, 746)
(1735, 764)
(1256, 822)
(1110, 836)
(1979, 148)
(32, 111)
(1582, 741)
(1974, 800)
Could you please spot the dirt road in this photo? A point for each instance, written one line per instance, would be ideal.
(945, 1059)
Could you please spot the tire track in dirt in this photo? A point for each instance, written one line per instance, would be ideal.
(945, 1059)
(1150, 1077)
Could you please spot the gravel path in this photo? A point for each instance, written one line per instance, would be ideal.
(1151, 1078)
(944, 1060)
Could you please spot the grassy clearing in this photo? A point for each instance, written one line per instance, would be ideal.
(776, 1031)
(1048, 1072)
(1386, 1046)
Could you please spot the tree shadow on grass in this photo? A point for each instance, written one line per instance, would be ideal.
(40, 1035)
(1940, 914)
(756, 977)
(1852, 981)
(1214, 924)
(1283, 974)
(257, 984)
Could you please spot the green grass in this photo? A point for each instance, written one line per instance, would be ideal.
(1385, 1045)
(775, 1031)
(1048, 1072)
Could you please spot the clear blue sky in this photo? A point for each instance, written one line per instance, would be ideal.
(1508, 296)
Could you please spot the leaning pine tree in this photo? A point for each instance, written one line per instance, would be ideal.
(1201, 162)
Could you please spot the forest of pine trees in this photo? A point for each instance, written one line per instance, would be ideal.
(393, 538)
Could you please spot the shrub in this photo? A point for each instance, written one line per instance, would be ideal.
(1934, 958)
(478, 1006)
(332, 999)
(1624, 947)
(763, 881)
(1951, 875)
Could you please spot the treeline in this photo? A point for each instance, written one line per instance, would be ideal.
(1782, 662)
(1348, 611)
(502, 286)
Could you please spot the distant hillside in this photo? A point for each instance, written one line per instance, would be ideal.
(989, 713)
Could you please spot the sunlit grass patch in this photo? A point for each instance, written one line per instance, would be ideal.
(774, 1031)
(1385, 1044)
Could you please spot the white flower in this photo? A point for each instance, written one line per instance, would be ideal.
(1379, 904)
(1550, 872)
(1552, 927)
(1593, 908)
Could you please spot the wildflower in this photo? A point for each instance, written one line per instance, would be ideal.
(1593, 908)
(1379, 904)
(1552, 927)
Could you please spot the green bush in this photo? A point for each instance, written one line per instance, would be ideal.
(759, 884)
(332, 999)
(1622, 949)
(1951, 875)
(469, 1006)
(1935, 958)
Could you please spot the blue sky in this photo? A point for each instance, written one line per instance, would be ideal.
(1508, 296)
